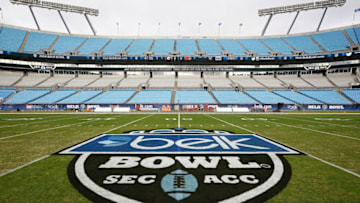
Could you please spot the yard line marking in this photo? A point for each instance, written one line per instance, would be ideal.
(312, 156)
(345, 126)
(8, 126)
(47, 129)
(22, 166)
(318, 131)
(179, 119)
(46, 156)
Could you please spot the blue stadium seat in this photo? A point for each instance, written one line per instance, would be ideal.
(112, 97)
(186, 47)
(26, 96)
(193, 97)
(93, 45)
(210, 46)
(152, 97)
(140, 46)
(232, 46)
(253, 45)
(232, 97)
(80, 97)
(54, 96)
(116, 46)
(332, 41)
(68, 43)
(303, 43)
(276, 44)
(266, 97)
(5, 93)
(11, 39)
(326, 96)
(354, 34)
(163, 46)
(38, 41)
(353, 94)
(296, 97)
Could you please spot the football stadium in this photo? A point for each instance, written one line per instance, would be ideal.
(194, 101)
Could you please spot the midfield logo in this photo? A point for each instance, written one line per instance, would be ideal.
(179, 166)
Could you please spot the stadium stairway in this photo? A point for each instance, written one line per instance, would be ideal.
(331, 82)
(287, 43)
(134, 95)
(243, 91)
(93, 81)
(130, 44)
(55, 41)
(21, 49)
(84, 42)
(17, 81)
(317, 43)
(348, 37)
(348, 98)
(173, 93)
(308, 82)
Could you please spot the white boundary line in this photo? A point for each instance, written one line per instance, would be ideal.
(312, 156)
(46, 156)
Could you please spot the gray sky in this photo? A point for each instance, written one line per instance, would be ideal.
(189, 12)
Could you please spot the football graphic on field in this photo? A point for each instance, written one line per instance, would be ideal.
(179, 184)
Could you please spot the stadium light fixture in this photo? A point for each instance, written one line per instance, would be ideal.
(298, 8)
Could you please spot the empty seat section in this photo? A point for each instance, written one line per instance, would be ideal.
(266, 97)
(116, 46)
(326, 96)
(276, 44)
(152, 97)
(11, 39)
(186, 47)
(253, 45)
(93, 45)
(269, 81)
(232, 46)
(162, 82)
(80, 97)
(296, 97)
(303, 43)
(56, 80)
(5, 93)
(8, 78)
(54, 96)
(317, 80)
(106, 80)
(246, 82)
(68, 43)
(163, 46)
(341, 79)
(140, 46)
(354, 34)
(31, 80)
(353, 94)
(210, 46)
(26, 96)
(38, 41)
(218, 82)
(332, 41)
(193, 97)
(232, 97)
(190, 82)
(82, 81)
(112, 97)
(133, 82)
(294, 80)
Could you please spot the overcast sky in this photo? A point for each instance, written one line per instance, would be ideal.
(189, 12)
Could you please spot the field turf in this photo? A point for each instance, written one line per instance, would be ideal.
(329, 172)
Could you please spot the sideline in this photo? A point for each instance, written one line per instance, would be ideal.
(312, 156)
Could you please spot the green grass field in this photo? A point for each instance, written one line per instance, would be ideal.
(328, 173)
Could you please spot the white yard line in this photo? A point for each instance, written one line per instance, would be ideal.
(334, 124)
(318, 131)
(46, 156)
(179, 119)
(43, 121)
(312, 156)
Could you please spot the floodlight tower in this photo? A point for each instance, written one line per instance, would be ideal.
(298, 8)
(58, 7)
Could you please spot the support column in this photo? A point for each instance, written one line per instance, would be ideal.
(91, 26)
(63, 20)
(322, 19)
(293, 22)
(33, 15)
(266, 25)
